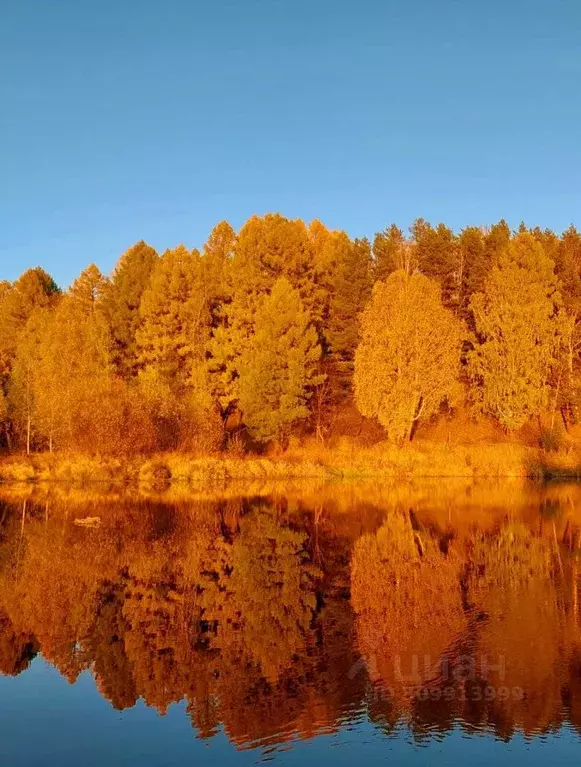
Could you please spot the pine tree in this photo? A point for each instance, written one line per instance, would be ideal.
(391, 251)
(121, 304)
(270, 247)
(407, 362)
(473, 266)
(88, 290)
(496, 242)
(266, 248)
(216, 257)
(566, 254)
(330, 248)
(351, 290)
(278, 366)
(437, 254)
(517, 325)
(175, 317)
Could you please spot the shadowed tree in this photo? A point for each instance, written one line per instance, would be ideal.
(437, 255)
(4, 422)
(350, 294)
(392, 252)
(121, 304)
(473, 265)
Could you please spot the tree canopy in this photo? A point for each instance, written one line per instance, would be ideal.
(284, 328)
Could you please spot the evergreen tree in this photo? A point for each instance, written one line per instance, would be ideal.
(121, 304)
(270, 247)
(266, 248)
(496, 242)
(217, 255)
(330, 249)
(278, 366)
(350, 293)
(391, 251)
(473, 265)
(517, 325)
(88, 290)
(437, 254)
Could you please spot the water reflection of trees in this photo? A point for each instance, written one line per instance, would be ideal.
(279, 618)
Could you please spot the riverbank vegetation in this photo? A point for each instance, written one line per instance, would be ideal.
(290, 349)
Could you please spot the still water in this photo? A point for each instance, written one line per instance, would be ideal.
(430, 623)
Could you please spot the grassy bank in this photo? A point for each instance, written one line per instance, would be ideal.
(344, 461)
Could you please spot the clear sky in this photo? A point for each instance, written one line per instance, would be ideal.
(130, 119)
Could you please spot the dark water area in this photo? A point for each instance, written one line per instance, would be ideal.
(421, 623)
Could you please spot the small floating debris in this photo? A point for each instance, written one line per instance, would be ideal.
(88, 521)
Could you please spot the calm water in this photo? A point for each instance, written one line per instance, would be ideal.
(433, 623)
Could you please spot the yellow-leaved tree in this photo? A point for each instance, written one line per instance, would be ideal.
(407, 362)
(518, 326)
(278, 365)
(171, 341)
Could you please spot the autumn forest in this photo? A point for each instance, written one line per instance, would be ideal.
(285, 332)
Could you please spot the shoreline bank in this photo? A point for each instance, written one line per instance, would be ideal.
(428, 460)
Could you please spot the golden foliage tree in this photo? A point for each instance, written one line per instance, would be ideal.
(407, 362)
(175, 316)
(26, 382)
(216, 256)
(172, 338)
(73, 407)
(34, 289)
(517, 325)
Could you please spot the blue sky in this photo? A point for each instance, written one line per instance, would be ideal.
(130, 119)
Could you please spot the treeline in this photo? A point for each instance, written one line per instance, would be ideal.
(273, 330)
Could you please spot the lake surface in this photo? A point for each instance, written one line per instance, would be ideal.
(421, 623)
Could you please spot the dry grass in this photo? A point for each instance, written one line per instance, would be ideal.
(346, 460)
(66, 468)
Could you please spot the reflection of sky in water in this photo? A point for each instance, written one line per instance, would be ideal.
(47, 721)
